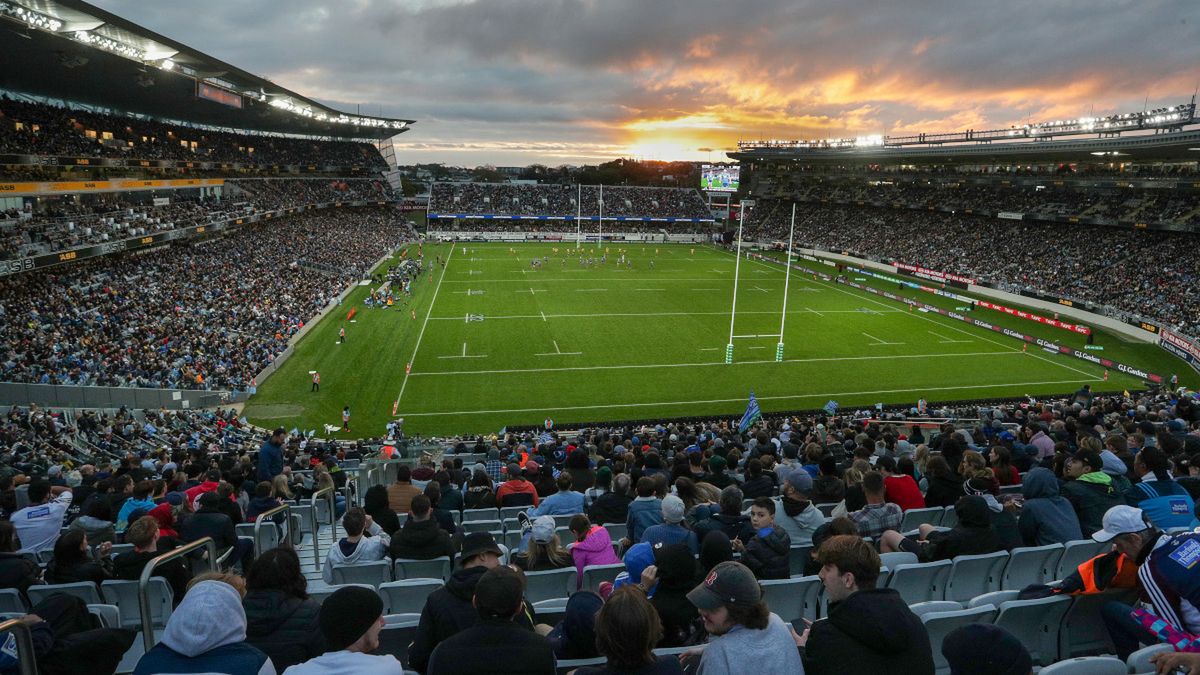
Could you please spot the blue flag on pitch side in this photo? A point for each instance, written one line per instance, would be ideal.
(831, 407)
(753, 414)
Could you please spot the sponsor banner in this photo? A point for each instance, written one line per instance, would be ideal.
(1010, 215)
(1180, 346)
(71, 187)
(931, 274)
(909, 284)
(1076, 328)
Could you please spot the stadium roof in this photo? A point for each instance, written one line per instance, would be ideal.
(72, 50)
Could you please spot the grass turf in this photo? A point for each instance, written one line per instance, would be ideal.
(506, 344)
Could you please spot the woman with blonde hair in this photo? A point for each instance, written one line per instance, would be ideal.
(972, 465)
(545, 552)
(280, 488)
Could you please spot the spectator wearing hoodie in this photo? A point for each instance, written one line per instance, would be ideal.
(206, 634)
(96, 522)
(281, 619)
(945, 486)
(727, 516)
(212, 480)
(984, 486)
(593, 546)
(574, 637)
(356, 546)
(420, 538)
(672, 529)
(974, 534)
(516, 491)
(1164, 501)
(1089, 490)
(1046, 516)
(794, 513)
(565, 502)
(766, 553)
(140, 501)
(449, 610)
(668, 581)
(867, 630)
(644, 511)
(758, 483)
(351, 620)
(209, 521)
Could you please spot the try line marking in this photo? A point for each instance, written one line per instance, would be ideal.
(740, 399)
(407, 370)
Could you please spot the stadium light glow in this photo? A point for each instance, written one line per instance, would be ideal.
(31, 18)
(109, 45)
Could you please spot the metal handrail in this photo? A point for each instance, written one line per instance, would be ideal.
(26, 656)
(287, 532)
(210, 547)
(328, 494)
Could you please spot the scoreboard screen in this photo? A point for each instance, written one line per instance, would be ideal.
(719, 178)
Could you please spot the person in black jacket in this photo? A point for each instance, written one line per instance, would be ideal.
(421, 538)
(375, 504)
(766, 553)
(144, 535)
(281, 619)
(16, 571)
(499, 598)
(728, 520)
(674, 573)
(448, 610)
(944, 486)
(757, 484)
(211, 521)
(973, 535)
(867, 630)
(72, 561)
(612, 507)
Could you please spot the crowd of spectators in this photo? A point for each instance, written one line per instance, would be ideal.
(63, 223)
(564, 200)
(28, 128)
(1136, 273)
(208, 315)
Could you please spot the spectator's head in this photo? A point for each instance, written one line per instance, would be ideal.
(564, 481)
(278, 435)
(1084, 461)
(500, 594)
(434, 492)
(544, 544)
(1148, 461)
(262, 490)
(210, 616)
(420, 508)
(375, 499)
(645, 487)
(213, 476)
(479, 549)
(580, 525)
(39, 491)
(731, 500)
(480, 479)
(143, 534)
(210, 501)
(142, 490)
(354, 521)
(886, 466)
(514, 471)
(937, 467)
(984, 649)
(351, 619)
(99, 509)
(673, 510)
(403, 474)
(9, 541)
(714, 550)
(621, 484)
(627, 630)
(278, 570)
(728, 597)
(70, 549)
(797, 485)
(1128, 529)
(848, 564)
(873, 487)
(762, 513)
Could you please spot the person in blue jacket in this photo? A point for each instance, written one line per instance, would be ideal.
(1165, 502)
(270, 456)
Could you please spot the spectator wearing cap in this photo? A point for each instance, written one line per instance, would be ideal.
(364, 542)
(565, 502)
(867, 629)
(1165, 501)
(766, 553)
(449, 610)
(1046, 516)
(645, 511)
(1089, 490)
(744, 634)
(984, 649)
(206, 634)
(401, 492)
(351, 620)
(542, 550)
(39, 523)
(516, 491)
(672, 529)
(499, 599)
(627, 631)
(879, 515)
(900, 488)
(593, 546)
(542, 479)
(794, 513)
(1166, 576)
(421, 538)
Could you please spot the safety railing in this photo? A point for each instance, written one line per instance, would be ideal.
(327, 494)
(285, 537)
(206, 543)
(26, 658)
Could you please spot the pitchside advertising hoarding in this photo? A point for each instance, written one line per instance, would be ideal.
(719, 178)
(1180, 346)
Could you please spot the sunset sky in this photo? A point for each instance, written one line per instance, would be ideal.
(516, 82)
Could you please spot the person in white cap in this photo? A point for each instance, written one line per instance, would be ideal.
(1167, 576)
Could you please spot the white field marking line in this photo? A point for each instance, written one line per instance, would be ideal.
(589, 290)
(531, 290)
(706, 289)
(742, 399)
(649, 289)
(945, 340)
(1056, 363)
(719, 271)
(632, 314)
(760, 288)
(755, 347)
(558, 352)
(710, 349)
(464, 355)
(880, 342)
(760, 272)
(825, 359)
(544, 316)
(428, 312)
(606, 279)
(810, 309)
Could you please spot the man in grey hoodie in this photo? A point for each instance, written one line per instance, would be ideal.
(1046, 516)
(356, 546)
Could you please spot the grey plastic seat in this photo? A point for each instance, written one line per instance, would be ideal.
(549, 584)
(124, 594)
(512, 511)
(11, 601)
(1139, 661)
(798, 556)
(792, 598)
(920, 582)
(941, 624)
(434, 568)
(897, 558)
(319, 594)
(1077, 552)
(109, 615)
(972, 575)
(480, 514)
(594, 575)
(407, 596)
(469, 526)
(370, 574)
(995, 598)
(1030, 565)
(949, 517)
(1083, 632)
(914, 518)
(923, 608)
(617, 531)
(84, 590)
(1088, 665)
(1036, 623)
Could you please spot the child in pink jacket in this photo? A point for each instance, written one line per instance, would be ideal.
(593, 546)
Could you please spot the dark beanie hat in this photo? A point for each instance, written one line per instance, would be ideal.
(347, 615)
(983, 649)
